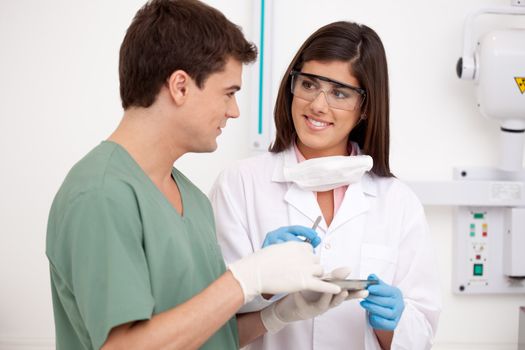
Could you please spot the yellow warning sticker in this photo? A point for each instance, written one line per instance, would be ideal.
(521, 83)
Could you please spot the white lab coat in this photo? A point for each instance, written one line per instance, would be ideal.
(380, 228)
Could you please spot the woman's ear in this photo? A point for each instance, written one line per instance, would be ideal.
(178, 84)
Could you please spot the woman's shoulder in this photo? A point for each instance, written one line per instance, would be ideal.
(392, 188)
(260, 166)
(254, 164)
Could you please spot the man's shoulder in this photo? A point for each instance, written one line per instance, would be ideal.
(93, 192)
(102, 173)
(99, 170)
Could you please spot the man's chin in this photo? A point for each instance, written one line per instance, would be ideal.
(206, 149)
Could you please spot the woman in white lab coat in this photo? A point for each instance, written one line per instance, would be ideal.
(332, 120)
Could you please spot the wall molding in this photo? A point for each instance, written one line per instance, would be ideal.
(11, 343)
(474, 346)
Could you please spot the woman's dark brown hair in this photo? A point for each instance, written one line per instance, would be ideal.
(361, 47)
(168, 35)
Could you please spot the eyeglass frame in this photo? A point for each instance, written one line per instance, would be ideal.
(360, 91)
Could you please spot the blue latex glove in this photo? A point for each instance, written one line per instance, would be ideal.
(292, 233)
(384, 305)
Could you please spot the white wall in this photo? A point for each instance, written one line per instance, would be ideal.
(59, 98)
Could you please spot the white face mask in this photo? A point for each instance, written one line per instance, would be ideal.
(326, 173)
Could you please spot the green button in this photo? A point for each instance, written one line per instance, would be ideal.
(478, 269)
(479, 215)
(472, 234)
(472, 226)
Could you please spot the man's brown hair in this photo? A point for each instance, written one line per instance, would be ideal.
(168, 35)
(361, 47)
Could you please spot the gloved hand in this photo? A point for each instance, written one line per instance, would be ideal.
(305, 304)
(295, 307)
(342, 273)
(290, 233)
(384, 305)
(281, 268)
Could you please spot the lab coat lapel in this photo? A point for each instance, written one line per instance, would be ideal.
(303, 204)
(355, 202)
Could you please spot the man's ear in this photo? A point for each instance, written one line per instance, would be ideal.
(178, 84)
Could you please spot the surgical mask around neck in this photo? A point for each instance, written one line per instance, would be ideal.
(326, 173)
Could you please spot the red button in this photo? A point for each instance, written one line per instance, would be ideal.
(478, 257)
(484, 234)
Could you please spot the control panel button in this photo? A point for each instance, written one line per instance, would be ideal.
(478, 269)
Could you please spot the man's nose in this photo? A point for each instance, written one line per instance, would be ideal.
(233, 110)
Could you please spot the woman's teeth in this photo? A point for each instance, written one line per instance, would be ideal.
(317, 123)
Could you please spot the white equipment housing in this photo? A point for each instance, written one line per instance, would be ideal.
(500, 61)
(489, 242)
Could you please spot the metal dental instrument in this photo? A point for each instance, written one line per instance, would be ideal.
(314, 227)
(316, 223)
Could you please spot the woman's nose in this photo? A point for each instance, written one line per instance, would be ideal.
(320, 103)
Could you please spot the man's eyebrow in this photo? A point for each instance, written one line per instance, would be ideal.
(233, 87)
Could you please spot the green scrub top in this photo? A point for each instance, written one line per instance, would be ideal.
(119, 251)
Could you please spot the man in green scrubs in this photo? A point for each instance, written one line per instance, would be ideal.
(131, 241)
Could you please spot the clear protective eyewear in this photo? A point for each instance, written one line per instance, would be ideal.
(338, 95)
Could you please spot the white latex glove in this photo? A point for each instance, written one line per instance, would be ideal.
(281, 268)
(306, 304)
